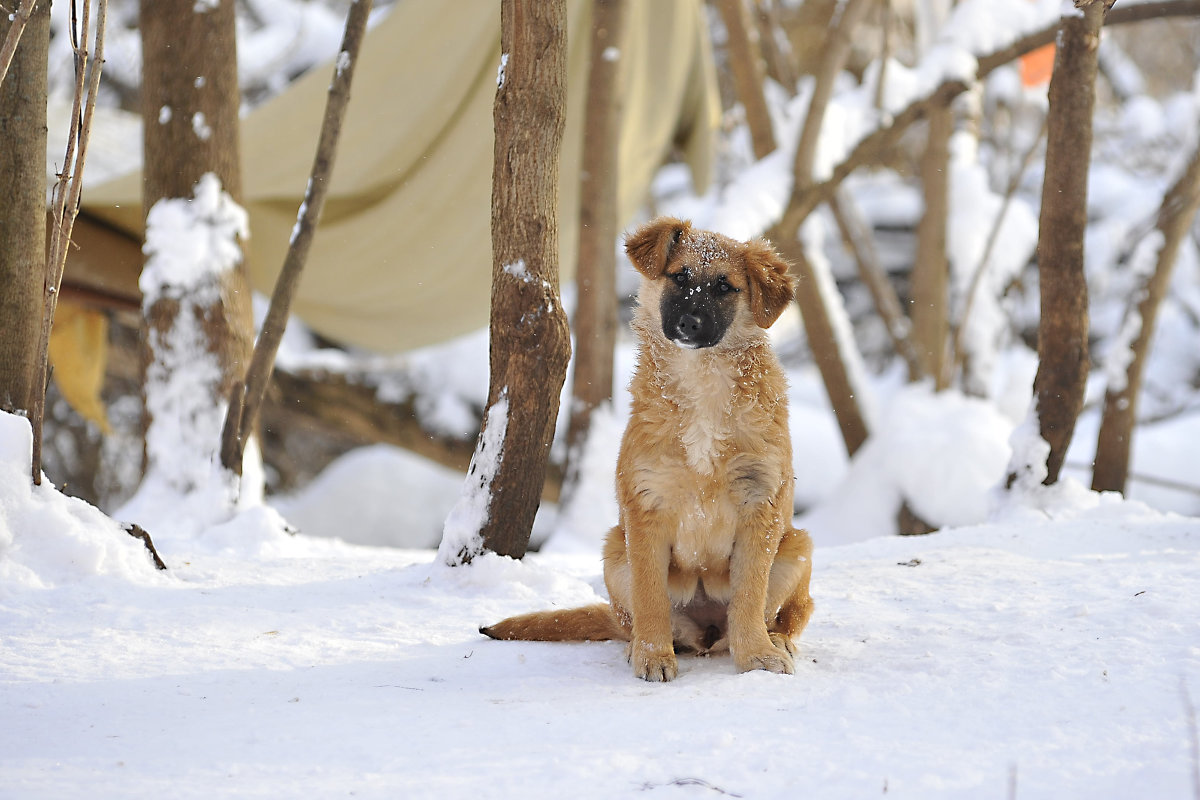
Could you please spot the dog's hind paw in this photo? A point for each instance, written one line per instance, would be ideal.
(773, 660)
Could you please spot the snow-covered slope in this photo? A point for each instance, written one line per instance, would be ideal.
(1060, 654)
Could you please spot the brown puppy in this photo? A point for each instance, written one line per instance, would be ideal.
(704, 557)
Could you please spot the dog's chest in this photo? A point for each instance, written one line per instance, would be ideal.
(708, 413)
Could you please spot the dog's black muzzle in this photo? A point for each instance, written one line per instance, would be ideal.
(693, 318)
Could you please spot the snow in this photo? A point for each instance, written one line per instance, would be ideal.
(377, 495)
(190, 244)
(200, 127)
(518, 270)
(461, 537)
(501, 70)
(188, 240)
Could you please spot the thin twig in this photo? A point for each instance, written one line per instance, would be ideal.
(238, 426)
(957, 354)
(65, 206)
(857, 236)
(9, 48)
(885, 53)
(1149, 480)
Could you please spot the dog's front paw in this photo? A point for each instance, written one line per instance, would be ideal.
(651, 663)
(784, 643)
(775, 659)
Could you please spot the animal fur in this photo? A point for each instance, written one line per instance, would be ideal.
(704, 557)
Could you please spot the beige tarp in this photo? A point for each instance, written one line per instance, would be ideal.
(403, 256)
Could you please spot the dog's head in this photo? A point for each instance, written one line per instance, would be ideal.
(704, 284)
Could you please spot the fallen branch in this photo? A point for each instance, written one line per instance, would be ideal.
(244, 407)
(138, 532)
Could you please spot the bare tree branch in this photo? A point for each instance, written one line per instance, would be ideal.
(777, 50)
(871, 148)
(958, 348)
(1115, 438)
(833, 58)
(9, 48)
(856, 234)
(815, 310)
(747, 74)
(65, 206)
(243, 410)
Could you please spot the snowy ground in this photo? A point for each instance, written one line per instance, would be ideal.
(1048, 653)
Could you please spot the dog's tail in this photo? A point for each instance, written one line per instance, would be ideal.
(588, 624)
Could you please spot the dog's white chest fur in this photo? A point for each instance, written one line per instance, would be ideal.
(703, 390)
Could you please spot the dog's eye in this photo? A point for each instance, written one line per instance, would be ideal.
(723, 286)
(680, 278)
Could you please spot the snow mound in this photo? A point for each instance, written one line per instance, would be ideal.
(941, 453)
(48, 539)
(378, 495)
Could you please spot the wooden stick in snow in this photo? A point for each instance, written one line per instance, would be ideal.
(243, 410)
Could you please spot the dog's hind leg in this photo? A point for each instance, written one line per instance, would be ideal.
(789, 604)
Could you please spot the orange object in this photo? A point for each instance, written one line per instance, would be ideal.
(1037, 66)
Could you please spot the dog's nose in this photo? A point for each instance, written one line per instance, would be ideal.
(689, 326)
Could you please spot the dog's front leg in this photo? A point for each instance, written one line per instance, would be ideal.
(749, 572)
(651, 650)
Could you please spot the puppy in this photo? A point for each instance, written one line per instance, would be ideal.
(704, 557)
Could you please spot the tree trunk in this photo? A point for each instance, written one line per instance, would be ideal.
(596, 311)
(1175, 217)
(1063, 329)
(23, 209)
(190, 106)
(931, 272)
(747, 74)
(530, 342)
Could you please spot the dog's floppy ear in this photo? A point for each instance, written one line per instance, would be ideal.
(770, 281)
(649, 246)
